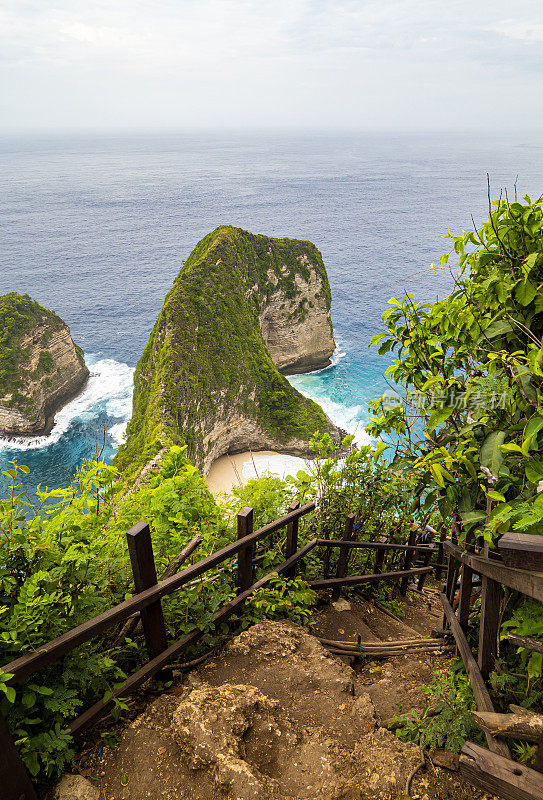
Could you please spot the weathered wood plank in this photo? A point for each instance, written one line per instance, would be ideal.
(140, 550)
(442, 537)
(425, 563)
(408, 560)
(14, 780)
(525, 641)
(356, 580)
(529, 583)
(501, 776)
(343, 558)
(466, 589)
(523, 724)
(449, 585)
(482, 697)
(329, 543)
(245, 556)
(491, 598)
(50, 651)
(292, 539)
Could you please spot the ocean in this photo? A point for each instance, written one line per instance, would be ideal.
(96, 227)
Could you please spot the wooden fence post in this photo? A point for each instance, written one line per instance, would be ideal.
(377, 567)
(14, 779)
(344, 554)
(292, 540)
(491, 597)
(245, 556)
(466, 588)
(442, 537)
(425, 563)
(449, 586)
(407, 561)
(140, 549)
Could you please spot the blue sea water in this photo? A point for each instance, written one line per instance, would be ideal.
(96, 227)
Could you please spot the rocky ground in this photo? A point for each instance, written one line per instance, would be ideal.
(276, 716)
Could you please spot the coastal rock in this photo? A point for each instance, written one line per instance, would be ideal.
(41, 368)
(298, 329)
(243, 309)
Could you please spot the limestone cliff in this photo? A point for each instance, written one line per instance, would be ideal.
(295, 320)
(41, 368)
(242, 306)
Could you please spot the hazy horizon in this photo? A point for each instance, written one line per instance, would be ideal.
(346, 65)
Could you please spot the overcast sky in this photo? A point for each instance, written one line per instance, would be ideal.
(400, 64)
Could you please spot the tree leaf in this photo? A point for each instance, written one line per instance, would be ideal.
(491, 455)
(471, 518)
(534, 471)
(525, 292)
(497, 328)
(435, 469)
(533, 426)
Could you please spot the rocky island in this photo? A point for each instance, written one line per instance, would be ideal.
(41, 368)
(243, 309)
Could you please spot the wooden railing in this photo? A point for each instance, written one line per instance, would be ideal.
(149, 592)
(493, 771)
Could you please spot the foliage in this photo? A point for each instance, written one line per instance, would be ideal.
(355, 480)
(65, 561)
(475, 359)
(281, 598)
(527, 620)
(445, 722)
(268, 496)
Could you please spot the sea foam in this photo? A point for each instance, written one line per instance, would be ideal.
(108, 389)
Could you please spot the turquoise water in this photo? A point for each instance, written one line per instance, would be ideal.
(96, 228)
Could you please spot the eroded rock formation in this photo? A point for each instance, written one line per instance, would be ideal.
(274, 717)
(41, 368)
(243, 308)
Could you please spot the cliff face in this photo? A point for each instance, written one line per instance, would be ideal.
(242, 306)
(296, 324)
(41, 368)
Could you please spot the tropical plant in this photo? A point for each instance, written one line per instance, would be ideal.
(471, 366)
(446, 721)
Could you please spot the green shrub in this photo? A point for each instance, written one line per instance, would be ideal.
(445, 722)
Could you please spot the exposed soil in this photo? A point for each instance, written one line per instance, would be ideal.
(275, 716)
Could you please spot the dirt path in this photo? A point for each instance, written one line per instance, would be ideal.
(274, 716)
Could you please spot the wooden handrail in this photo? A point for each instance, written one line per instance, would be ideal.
(521, 580)
(30, 662)
(480, 692)
(376, 545)
(356, 580)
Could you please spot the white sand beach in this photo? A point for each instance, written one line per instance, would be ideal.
(235, 470)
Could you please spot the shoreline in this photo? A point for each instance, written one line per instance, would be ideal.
(229, 471)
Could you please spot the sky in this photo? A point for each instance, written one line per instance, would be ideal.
(354, 64)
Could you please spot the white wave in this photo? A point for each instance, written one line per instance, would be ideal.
(108, 389)
(346, 417)
(117, 432)
(335, 358)
(349, 418)
(337, 355)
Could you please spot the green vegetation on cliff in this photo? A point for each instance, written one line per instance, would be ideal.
(206, 355)
(19, 316)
